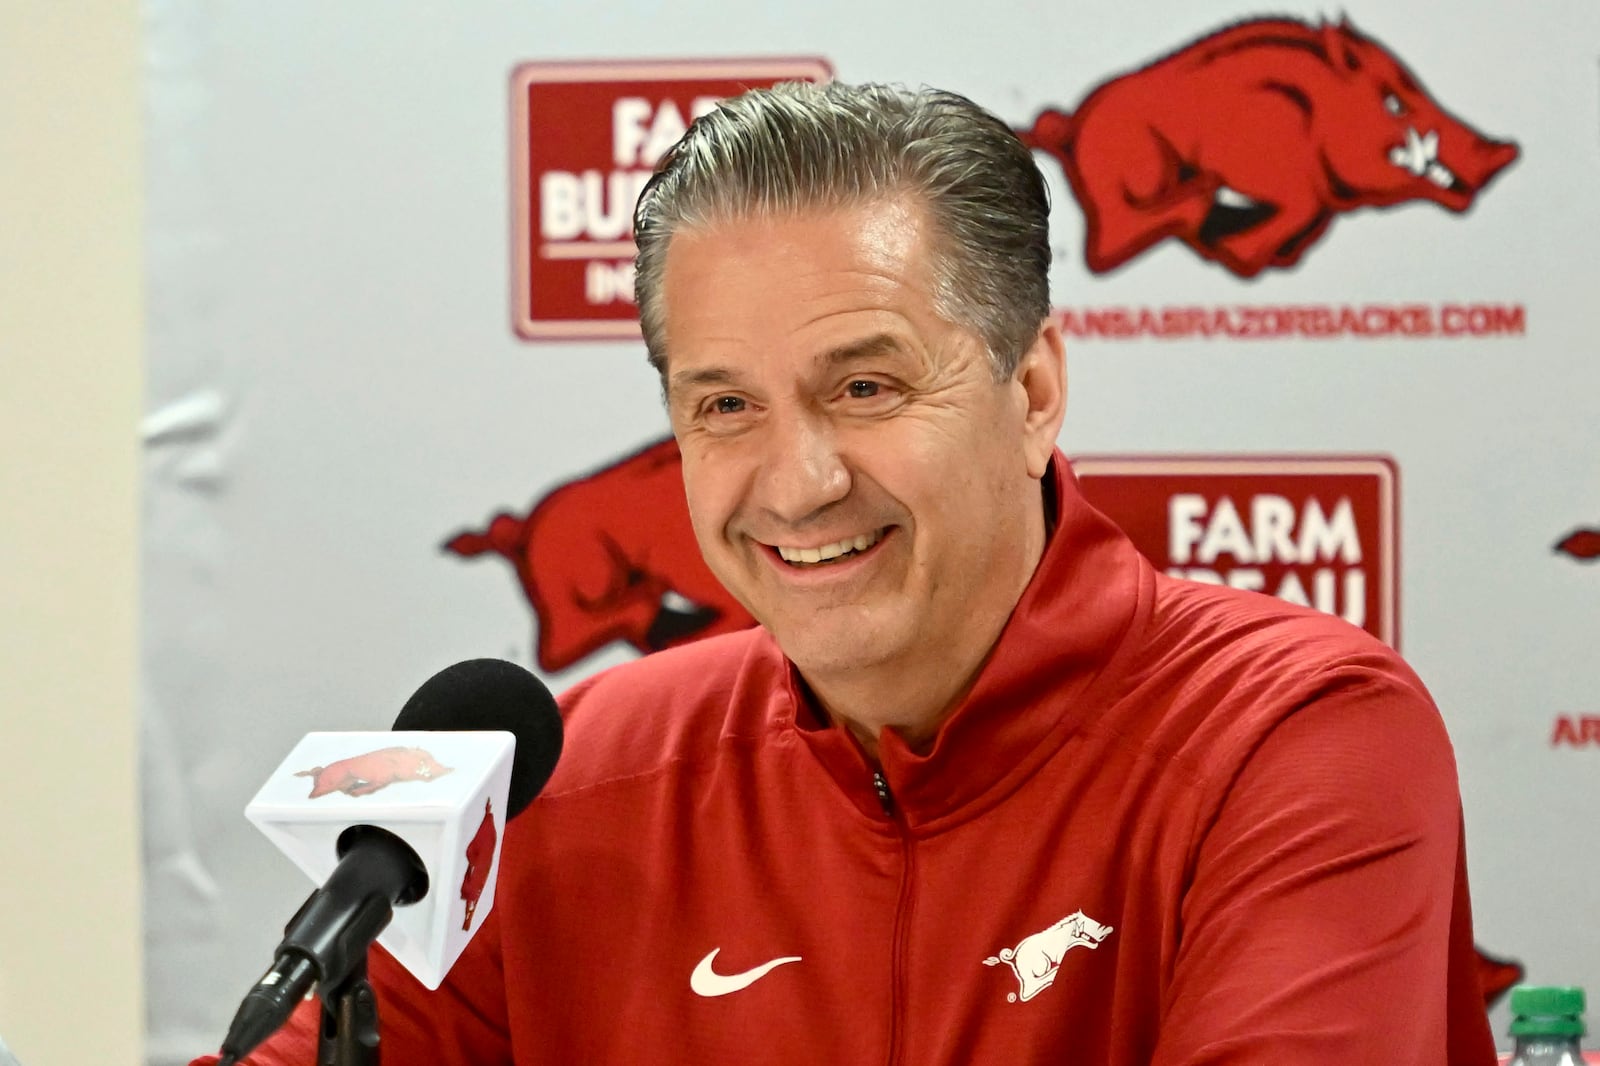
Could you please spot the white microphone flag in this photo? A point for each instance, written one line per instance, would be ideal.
(443, 793)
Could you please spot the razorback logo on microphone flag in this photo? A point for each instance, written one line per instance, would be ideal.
(364, 774)
(451, 821)
(585, 137)
(610, 556)
(1247, 143)
(480, 859)
(1319, 531)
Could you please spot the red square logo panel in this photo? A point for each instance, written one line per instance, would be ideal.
(585, 139)
(1320, 531)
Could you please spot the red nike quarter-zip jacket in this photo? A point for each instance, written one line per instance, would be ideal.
(1170, 824)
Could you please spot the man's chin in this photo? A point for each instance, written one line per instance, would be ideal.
(826, 657)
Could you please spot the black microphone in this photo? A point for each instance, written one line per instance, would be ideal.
(326, 941)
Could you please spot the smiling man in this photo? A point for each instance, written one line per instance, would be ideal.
(982, 788)
(857, 476)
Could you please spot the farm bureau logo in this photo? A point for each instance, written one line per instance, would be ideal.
(585, 137)
(1245, 144)
(1317, 531)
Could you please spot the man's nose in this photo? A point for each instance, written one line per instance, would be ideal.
(802, 471)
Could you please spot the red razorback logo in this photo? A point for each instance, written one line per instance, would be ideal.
(1497, 976)
(362, 775)
(1245, 144)
(611, 556)
(480, 856)
(1583, 544)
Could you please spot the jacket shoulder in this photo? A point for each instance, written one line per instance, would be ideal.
(670, 707)
(1256, 635)
(1223, 668)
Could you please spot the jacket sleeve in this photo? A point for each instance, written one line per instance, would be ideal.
(1326, 920)
(462, 1023)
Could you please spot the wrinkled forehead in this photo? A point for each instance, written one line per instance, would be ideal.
(743, 277)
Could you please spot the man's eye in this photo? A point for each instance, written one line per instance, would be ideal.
(862, 390)
(727, 405)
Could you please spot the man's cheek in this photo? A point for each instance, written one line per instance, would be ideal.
(721, 544)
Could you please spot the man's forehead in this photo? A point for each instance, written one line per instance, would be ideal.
(824, 285)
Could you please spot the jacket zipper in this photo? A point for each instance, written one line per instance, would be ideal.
(902, 918)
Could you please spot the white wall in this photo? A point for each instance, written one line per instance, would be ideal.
(70, 395)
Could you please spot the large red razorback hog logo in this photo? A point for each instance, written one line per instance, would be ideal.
(1245, 144)
(611, 556)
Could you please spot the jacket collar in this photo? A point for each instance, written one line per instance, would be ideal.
(1063, 645)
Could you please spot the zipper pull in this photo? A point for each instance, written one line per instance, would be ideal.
(881, 785)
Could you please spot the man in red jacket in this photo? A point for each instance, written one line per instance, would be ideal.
(983, 787)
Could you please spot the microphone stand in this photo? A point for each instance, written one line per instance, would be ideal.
(393, 875)
(325, 944)
(349, 1035)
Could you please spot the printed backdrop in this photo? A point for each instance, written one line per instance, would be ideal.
(1328, 291)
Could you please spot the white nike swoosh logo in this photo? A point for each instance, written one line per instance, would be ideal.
(707, 982)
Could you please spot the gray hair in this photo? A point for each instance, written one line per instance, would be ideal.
(799, 146)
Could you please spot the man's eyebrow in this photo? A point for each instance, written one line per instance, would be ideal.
(877, 344)
(711, 375)
(866, 348)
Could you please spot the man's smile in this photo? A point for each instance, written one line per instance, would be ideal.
(827, 553)
(826, 563)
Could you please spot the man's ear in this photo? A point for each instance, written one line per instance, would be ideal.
(1041, 381)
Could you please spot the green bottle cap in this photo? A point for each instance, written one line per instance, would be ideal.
(1544, 1010)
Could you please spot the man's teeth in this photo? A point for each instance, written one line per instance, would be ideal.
(830, 551)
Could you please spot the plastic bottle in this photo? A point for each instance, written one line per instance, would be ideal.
(1546, 1023)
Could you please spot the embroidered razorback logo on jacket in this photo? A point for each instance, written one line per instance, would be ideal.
(1037, 958)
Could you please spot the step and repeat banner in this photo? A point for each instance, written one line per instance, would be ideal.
(399, 413)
